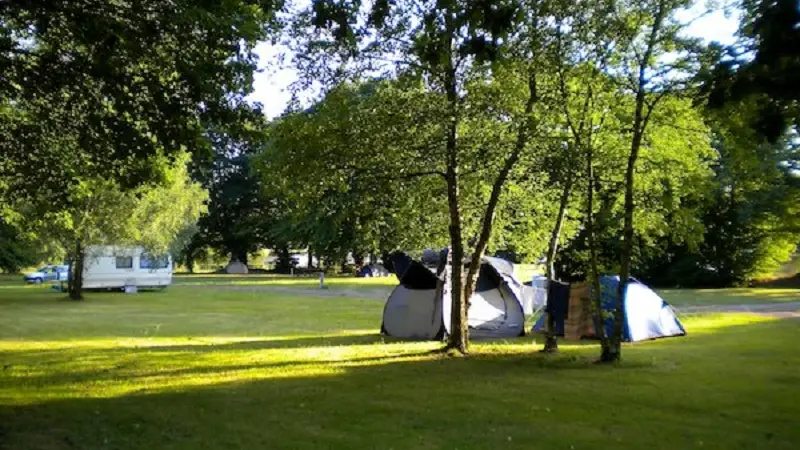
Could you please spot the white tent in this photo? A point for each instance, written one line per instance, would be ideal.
(420, 307)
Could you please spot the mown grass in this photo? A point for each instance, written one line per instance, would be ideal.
(380, 287)
(334, 282)
(733, 296)
(680, 297)
(192, 368)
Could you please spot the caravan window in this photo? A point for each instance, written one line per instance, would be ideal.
(150, 262)
(124, 262)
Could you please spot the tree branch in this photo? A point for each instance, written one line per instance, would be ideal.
(523, 134)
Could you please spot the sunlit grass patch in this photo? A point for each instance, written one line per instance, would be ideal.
(195, 368)
(734, 296)
(715, 323)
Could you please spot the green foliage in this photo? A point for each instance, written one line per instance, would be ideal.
(762, 68)
(97, 211)
(162, 213)
(16, 249)
(118, 88)
(239, 215)
(673, 177)
(749, 214)
(345, 172)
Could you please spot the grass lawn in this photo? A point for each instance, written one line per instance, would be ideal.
(678, 297)
(189, 368)
(304, 282)
(733, 296)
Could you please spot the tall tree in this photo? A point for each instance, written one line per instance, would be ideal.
(446, 46)
(747, 211)
(342, 195)
(238, 213)
(113, 87)
(650, 31)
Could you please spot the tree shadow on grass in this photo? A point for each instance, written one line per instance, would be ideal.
(369, 402)
(424, 400)
(138, 364)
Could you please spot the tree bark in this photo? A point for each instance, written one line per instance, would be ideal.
(594, 275)
(310, 258)
(551, 341)
(75, 286)
(459, 333)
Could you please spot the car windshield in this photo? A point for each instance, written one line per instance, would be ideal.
(42, 269)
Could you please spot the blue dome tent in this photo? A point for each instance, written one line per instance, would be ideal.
(647, 315)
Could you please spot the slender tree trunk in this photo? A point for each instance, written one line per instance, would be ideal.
(459, 332)
(594, 274)
(523, 134)
(76, 279)
(640, 119)
(615, 348)
(284, 263)
(190, 261)
(551, 341)
(310, 258)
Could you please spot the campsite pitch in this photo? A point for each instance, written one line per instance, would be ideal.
(189, 368)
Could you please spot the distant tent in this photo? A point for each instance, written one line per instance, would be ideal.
(535, 297)
(419, 308)
(647, 316)
(372, 270)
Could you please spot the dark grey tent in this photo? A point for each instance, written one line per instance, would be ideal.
(419, 308)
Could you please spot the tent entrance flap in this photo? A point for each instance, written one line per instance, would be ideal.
(495, 307)
(412, 314)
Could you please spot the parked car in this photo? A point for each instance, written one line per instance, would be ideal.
(47, 273)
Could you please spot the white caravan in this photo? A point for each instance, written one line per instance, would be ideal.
(118, 267)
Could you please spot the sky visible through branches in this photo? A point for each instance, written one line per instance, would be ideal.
(272, 83)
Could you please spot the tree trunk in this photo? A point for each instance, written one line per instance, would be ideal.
(75, 286)
(190, 261)
(614, 352)
(482, 242)
(284, 263)
(459, 332)
(551, 341)
(594, 275)
(640, 119)
(310, 258)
